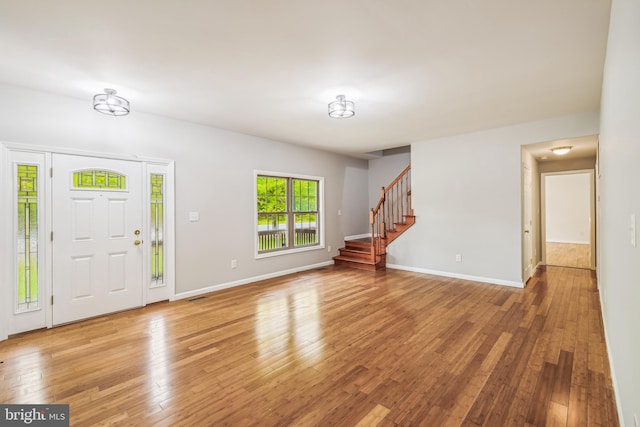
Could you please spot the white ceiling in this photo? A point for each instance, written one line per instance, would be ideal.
(416, 69)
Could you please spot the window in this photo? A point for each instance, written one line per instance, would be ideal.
(27, 243)
(157, 229)
(99, 180)
(288, 213)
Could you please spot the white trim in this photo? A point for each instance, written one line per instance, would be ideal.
(22, 321)
(288, 251)
(5, 276)
(358, 236)
(196, 292)
(321, 240)
(614, 379)
(458, 276)
(167, 289)
(570, 242)
(15, 146)
(48, 230)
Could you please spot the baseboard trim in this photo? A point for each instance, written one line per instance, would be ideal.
(459, 276)
(196, 292)
(357, 236)
(614, 379)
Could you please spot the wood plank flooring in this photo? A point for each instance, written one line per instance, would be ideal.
(332, 347)
(568, 255)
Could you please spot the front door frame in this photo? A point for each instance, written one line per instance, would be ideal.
(8, 249)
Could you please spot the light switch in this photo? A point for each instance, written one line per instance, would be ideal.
(632, 229)
(194, 216)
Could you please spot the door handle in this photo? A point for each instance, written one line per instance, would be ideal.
(137, 242)
(526, 231)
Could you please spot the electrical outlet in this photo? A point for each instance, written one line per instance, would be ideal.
(234, 263)
(458, 257)
(329, 248)
(194, 216)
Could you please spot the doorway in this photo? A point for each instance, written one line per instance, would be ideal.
(568, 212)
(86, 235)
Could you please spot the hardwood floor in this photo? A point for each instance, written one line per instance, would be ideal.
(332, 347)
(568, 255)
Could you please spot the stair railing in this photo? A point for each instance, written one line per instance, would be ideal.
(392, 208)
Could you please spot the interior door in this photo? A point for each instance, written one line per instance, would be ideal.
(527, 237)
(97, 240)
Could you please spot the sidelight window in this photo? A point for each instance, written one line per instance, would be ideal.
(157, 229)
(27, 238)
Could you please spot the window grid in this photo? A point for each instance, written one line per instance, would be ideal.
(287, 213)
(99, 180)
(157, 229)
(27, 238)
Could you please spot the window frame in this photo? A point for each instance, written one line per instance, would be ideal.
(291, 224)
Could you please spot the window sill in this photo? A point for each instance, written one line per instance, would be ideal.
(289, 251)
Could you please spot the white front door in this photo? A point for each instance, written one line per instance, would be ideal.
(97, 236)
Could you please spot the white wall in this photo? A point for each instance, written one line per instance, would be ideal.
(568, 208)
(619, 264)
(214, 176)
(563, 165)
(384, 170)
(467, 199)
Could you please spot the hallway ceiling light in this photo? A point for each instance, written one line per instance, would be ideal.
(109, 103)
(341, 108)
(561, 151)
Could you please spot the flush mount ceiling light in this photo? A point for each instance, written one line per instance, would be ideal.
(341, 108)
(561, 151)
(109, 103)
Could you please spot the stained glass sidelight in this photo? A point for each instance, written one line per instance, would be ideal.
(99, 179)
(27, 239)
(157, 229)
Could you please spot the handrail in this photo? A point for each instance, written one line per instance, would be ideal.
(392, 208)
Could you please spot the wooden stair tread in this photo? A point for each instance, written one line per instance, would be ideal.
(356, 260)
(361, 264)
(361, 240)
(358, 244)
(355, 251)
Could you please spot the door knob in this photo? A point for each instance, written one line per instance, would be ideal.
(526, 231)
(137, 242)
(137, 232)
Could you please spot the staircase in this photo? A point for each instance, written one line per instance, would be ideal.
(391, 217)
